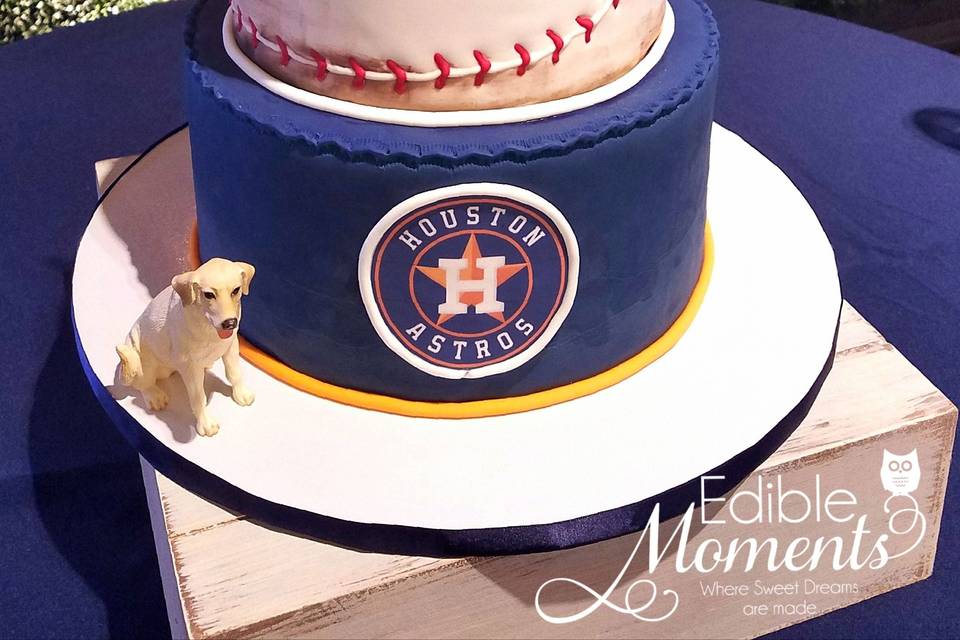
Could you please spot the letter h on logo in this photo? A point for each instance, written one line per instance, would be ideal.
(487, 286)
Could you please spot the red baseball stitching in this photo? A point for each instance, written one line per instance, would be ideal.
(321, 65)
(253, 32)
(587, 24)
(284, 53)
(444, 67)
(557, 44)
(400, 84)
(524, 58)
(360, 74)
(484, 63)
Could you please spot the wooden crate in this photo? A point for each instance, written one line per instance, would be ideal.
(228, 577)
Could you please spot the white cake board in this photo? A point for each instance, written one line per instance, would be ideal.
(760, 341)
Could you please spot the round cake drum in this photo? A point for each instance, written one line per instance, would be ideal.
(719, 402)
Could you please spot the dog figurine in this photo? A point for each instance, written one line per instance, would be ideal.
(186, 329)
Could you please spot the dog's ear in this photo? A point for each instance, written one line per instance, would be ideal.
(246, 275)
(186, 287)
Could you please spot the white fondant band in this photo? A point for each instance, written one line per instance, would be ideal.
(445, 118)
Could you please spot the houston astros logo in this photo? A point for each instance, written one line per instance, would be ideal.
(471, 280)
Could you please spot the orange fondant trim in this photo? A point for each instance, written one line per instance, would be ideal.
(496, 406)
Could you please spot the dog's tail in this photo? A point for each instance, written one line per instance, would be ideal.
(131, 367)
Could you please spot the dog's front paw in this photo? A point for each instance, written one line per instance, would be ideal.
(242, 395)
(155, 398)
(207, 426)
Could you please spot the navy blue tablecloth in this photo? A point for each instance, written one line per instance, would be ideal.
(857, 119)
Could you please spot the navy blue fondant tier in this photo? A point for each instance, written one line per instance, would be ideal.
(297, 191)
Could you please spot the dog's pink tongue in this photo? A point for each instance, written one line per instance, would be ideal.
(224, 333)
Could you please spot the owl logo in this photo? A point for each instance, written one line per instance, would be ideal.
(900, 474)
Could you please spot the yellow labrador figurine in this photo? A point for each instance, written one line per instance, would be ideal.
(186, 328)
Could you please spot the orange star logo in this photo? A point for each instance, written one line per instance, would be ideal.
(471, 253)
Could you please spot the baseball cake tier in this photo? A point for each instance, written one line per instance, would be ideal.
(457, 264)
(446, 56)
